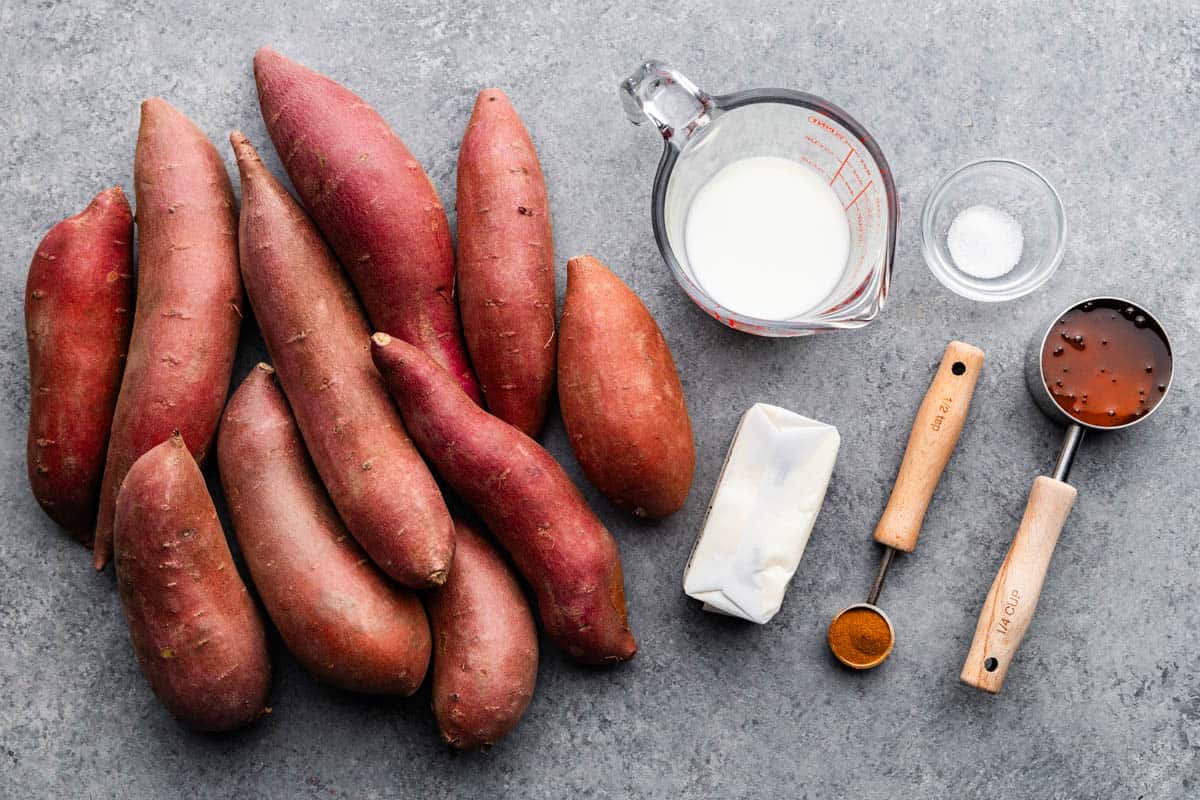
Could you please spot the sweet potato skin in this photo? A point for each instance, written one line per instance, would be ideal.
(374, 203)
(342, 619)
(189, 295)
(78, 313)
(506, 264)
(621, 400)
(524, 497)
(320, 345)
(485, 664)
(195, 630)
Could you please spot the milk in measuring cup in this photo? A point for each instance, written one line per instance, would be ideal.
(767, 237)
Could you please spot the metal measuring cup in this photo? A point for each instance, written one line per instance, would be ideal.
(1013, 597)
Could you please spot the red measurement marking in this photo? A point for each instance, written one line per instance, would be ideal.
(860, 194)
(841, 166)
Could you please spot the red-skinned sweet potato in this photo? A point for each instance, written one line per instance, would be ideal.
(373, 202)
(524, 497)
(185, 326)
(78, 312)
(621, 400)
(506, 264)
(486, 657)
(194, 627)
(319, 342)
(342, 619)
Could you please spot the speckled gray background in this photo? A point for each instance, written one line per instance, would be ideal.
(1105, 698)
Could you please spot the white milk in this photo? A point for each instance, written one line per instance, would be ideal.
(767, 237)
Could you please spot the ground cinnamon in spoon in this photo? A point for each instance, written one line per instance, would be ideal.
(860, 636)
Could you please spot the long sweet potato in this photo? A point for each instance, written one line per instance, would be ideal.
(373, 202)
(621, 399)
(342, 619)
(194, 627)
(524, 497)
(506, 264)
(78, 311)
(319, 341)
(485, 663)
(185, 326)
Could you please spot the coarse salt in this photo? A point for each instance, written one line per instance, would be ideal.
(985, 242)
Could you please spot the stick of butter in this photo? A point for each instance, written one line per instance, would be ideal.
(761, 513)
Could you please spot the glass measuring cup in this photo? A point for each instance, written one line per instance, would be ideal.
(704, 133)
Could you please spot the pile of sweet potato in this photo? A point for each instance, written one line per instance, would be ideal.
(328, 456)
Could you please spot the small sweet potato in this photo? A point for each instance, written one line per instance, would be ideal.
(320, 342)
(195, 630)
(342, 619)
(506, 264)
(78, 311)
(524, 497)
(373, 202)
(621, 400)
(189, 295)
(485, 663)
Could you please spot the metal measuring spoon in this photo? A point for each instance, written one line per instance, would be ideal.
(935, 432)
(1011, 601)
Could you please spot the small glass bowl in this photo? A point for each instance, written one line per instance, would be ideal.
(1010, 186)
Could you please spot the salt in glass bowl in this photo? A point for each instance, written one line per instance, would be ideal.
(1018, 190)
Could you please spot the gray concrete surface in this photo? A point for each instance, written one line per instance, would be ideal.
(1104, 701)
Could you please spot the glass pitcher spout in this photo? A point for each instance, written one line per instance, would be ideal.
(677, 106)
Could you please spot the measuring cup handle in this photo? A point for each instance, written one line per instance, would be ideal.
(1010, 603)
(935, 431)
(669, 99)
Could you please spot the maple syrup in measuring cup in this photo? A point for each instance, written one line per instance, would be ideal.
(774, 209)
(1106, 362)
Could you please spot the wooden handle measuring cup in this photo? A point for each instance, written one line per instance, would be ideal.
(1011, 601)
(1128, 334)
(934, 433)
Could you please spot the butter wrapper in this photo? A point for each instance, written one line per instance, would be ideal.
(762, 512)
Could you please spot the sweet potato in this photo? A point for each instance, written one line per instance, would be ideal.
(320, 342)
(524, 497)
(485, 664)
(373, 202)
(195, 630)
(78, 311)
(506, 264)
(620, 396)
(342, 619)
(185, 326)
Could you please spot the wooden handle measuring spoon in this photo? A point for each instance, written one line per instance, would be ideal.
(935, 432)
(861, 636)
